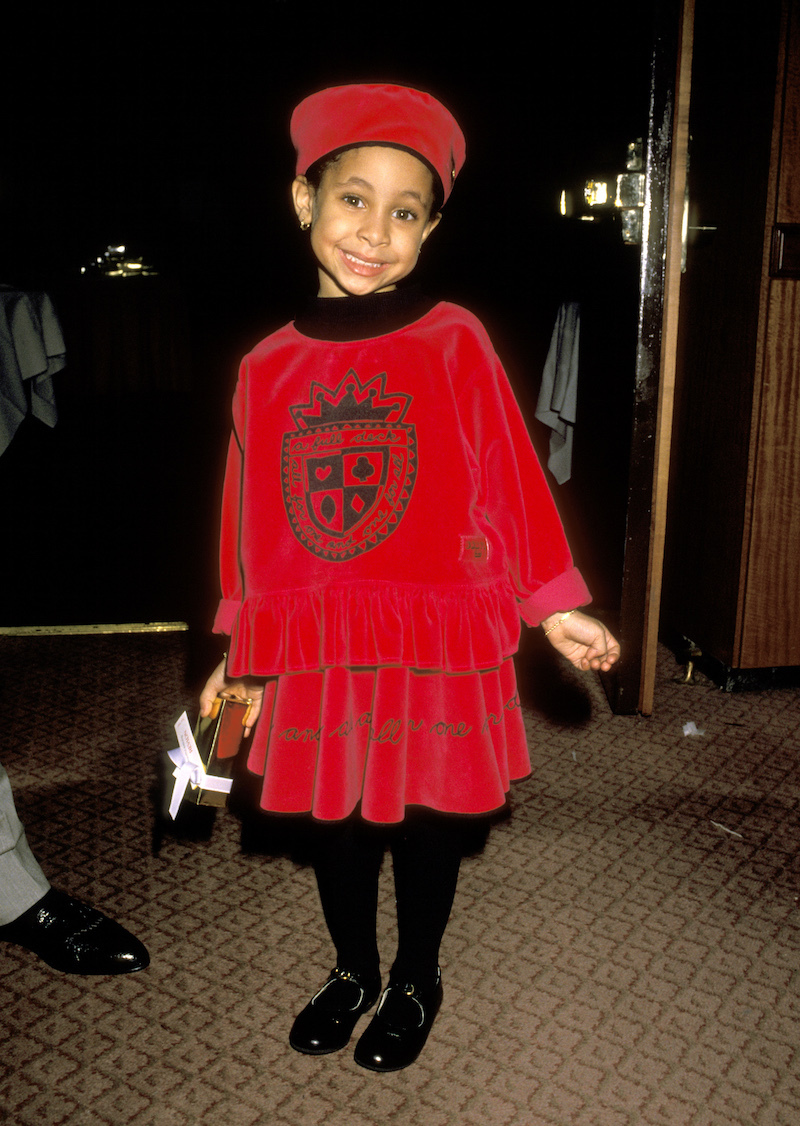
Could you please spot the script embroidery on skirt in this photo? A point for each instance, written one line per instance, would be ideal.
(391, 730)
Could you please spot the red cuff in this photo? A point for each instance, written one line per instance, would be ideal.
(565, 592)
(226, 616)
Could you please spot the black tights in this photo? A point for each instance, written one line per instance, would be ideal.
(426, 854)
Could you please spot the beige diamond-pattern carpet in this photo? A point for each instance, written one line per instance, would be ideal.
(624, 951)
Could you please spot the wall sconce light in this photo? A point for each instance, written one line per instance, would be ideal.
(115, 262)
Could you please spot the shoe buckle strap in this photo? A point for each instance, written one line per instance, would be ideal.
(408, 991)
(342, 975)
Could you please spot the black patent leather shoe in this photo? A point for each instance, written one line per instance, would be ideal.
(327, 1022)
(397, 1033)
(74, 938)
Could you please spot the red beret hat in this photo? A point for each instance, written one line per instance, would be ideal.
(347, 116)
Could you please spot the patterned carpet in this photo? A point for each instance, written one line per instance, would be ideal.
(625, 951)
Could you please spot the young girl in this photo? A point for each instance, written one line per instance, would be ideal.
(385, 524)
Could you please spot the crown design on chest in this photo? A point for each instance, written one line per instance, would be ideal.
(353, 402)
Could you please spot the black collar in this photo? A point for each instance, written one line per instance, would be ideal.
(360, 318)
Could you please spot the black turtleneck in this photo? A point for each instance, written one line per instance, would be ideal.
(359, 318)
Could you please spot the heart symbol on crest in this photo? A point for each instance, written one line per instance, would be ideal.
(323, 472)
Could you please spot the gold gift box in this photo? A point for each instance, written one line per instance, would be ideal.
(218, 737)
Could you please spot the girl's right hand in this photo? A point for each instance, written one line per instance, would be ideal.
(584, 641)
(245, 688)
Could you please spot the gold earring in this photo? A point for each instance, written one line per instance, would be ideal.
(304, 226)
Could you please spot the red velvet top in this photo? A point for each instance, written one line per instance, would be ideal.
(383, 505)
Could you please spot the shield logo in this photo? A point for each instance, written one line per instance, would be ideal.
(349, 468)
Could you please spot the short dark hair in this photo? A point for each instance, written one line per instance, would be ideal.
(318, 169)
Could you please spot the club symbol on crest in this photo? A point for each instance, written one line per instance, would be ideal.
(349, 467)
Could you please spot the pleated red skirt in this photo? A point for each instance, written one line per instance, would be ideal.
(331, 741)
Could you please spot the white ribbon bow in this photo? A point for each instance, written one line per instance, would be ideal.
(189, 769)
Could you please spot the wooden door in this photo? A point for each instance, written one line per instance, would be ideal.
(732, 586)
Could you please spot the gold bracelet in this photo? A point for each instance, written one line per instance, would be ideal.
(558, 623)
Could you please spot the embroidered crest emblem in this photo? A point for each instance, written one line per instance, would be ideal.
(349, 467)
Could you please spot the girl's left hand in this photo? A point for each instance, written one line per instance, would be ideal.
(584, 641)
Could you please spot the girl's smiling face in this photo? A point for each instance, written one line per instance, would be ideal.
(369, 217)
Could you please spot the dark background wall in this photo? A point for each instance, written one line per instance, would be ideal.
(167, 131)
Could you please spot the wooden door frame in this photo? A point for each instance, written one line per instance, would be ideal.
(631, 685)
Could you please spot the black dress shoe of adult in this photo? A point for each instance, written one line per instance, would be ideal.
(397, 1033)
(74, 938)
(327, 1022)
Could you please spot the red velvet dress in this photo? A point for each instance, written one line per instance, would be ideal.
(385, 524)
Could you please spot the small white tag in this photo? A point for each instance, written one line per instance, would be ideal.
(186, 741)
